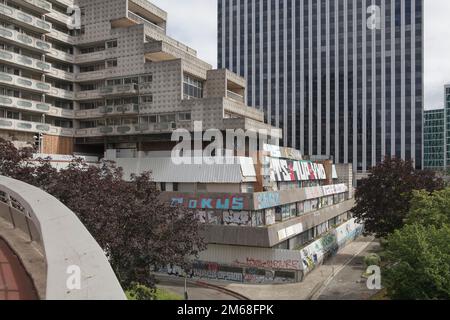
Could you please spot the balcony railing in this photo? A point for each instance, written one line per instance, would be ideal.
(235, 96)
(120, 89)
(24, 39)
(16, 81)
(38, 5)
(27, 126)
(61, 55)
(24, 61)
(23, 18)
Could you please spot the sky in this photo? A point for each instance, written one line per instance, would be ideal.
(194, 22)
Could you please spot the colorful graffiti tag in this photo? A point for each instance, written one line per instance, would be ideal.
(292, 170)
(204, 202)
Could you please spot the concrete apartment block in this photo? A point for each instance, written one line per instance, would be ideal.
(115, 82)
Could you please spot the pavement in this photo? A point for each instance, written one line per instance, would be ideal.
(15, 284)
(348, 284)
(314, 284)
(196, 290)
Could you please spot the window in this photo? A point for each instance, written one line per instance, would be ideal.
(111, 63)
(185, 116)
(147, 99)
(167, 118)
(147, 78)
(193, 88)
(131, 80)
(111, 44)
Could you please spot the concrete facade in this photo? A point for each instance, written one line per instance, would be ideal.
(115, 82)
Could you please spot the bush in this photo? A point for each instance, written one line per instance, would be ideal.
(372, 259)
(140, 292)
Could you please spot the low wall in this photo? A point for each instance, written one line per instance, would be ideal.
(70, 252)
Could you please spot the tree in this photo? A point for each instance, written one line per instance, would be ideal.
(430, 209)
(136, 230)
(419, 263)
(383, 199)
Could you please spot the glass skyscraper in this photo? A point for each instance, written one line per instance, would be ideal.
(342, 78)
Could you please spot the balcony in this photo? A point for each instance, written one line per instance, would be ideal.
(61, 36)
(126, 89)
(94, 75)
(24, 40)
(24, 83)
(88, 95)
(90, 57)
(58, 16)
(134, 129)
(61, 55)
(61, 93)
(22, 104)
(89, 113)
(24, 61)
(61, 74)
(27, 126)
(24, 19)
(40, 6)
(235, 96)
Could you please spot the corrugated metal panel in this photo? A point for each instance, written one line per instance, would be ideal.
(164, 170)
(247, 166)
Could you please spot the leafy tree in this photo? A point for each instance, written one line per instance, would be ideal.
(430, 209)
(136, 230)
(383, 199)
(419, 263)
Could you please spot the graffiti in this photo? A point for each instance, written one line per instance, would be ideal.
(315, 253)
(230, 276)
(236, 218)
(271, 264)
(266, 200)
(213, 271)
(230, 202)
(270, 217)
(292, 170)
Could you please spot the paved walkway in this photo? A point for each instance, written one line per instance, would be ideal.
(15, 284)
(349, 283)
(313, 283)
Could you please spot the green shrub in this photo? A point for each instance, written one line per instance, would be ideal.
(372, 259)
(140, 292)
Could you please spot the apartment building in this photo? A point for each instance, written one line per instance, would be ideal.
(116, 81)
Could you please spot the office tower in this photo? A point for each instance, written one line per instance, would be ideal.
(434, 128)
(342, 78)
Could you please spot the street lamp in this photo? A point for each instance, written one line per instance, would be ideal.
(186, 296)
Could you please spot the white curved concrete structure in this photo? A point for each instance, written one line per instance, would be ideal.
(66, 245)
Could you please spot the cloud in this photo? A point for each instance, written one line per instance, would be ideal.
(194, 22)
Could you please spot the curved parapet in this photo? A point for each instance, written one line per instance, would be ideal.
(36, 224)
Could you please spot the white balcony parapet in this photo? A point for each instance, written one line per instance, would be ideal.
(61, 74)
(24, 40)
(61, 55)
(61, 93)
(62, 241)
(24, 61)
(26, 83)
(28, 126)
(41, 6)
(61, 36)
(23, 18)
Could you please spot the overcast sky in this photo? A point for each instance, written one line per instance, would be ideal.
(194, 22)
